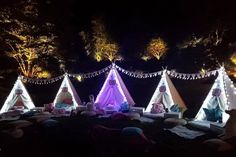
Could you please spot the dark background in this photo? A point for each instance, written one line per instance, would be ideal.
(131, 24)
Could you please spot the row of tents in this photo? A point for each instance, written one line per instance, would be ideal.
(114, 91)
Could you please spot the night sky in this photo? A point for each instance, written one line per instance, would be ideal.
(132, 25)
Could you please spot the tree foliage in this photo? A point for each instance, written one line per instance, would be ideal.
(98, 44)
(26, 39)
(156, 48)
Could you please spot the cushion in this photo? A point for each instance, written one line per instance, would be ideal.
(89, 113)
(48, 107)
(19, 104)
(157, 108)
(39, 118)
(20, 123)
(134, 116)
(175, 108)
(213, 114)
(15, 133)
(50, 123)
(68, 101)
(61, 105)
(133, 137)
(13, 113)
(230, 126)
(124, 107)
(175, 121)
(119, 116)
(218, 145)
(28, 114)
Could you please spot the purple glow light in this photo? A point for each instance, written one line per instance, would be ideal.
(112, 94)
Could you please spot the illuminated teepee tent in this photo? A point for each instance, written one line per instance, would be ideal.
(114, 92)
(165, 94)
(18, 98)
(67, 91)
(221, 97)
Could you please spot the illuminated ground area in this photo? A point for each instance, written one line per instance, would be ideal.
(77, 136)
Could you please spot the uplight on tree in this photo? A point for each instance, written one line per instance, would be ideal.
(98, 44)
(156, 48)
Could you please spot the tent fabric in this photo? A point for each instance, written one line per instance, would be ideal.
(166, 94)
(222, 94)
(71, 89)
(113, 92)
(17, 97)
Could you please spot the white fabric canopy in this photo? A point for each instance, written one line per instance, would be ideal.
(226, 100)
(114, 91)
(71, 89)
(168, 97)
(13, 97)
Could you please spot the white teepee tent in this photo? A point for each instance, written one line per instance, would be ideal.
(165, 93)
(114, 91)
(71, 89)
(222, 93)
(18, 92)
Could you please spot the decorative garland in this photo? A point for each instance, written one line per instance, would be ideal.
(92, 74)
(140, 75)
(193, 76)
(42, 81)
(55, 79)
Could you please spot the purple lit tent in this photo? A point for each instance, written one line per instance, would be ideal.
(113, 92)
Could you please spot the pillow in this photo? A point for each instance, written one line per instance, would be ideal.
(213, 115)
(50, 123)
(175, 108)
(157, 108)
(68, 101)
(20, 123)
(15, 133)
(119, 116)
(48, 107)
(39, 118)
(19, 103)
(175, 121)
(218, 145)
(133, 137)
(61, 105)
(124, 107)
(18, 107)
(88, 113)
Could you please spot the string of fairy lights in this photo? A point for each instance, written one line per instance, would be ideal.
(134, 74)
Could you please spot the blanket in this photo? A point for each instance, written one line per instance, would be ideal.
(185, 132)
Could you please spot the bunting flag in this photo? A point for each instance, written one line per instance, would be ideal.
(134, 74)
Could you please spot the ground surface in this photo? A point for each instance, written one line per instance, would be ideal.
(79, 135)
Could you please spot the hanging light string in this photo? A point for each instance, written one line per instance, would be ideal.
(42, 81)
(55, 79)
(191, 76)
(91, 74)
(228, 91)
(138, 74)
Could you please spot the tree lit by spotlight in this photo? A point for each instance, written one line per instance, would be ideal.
(98, 44)
(31, 45)
(233, 58)
(156, 49)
